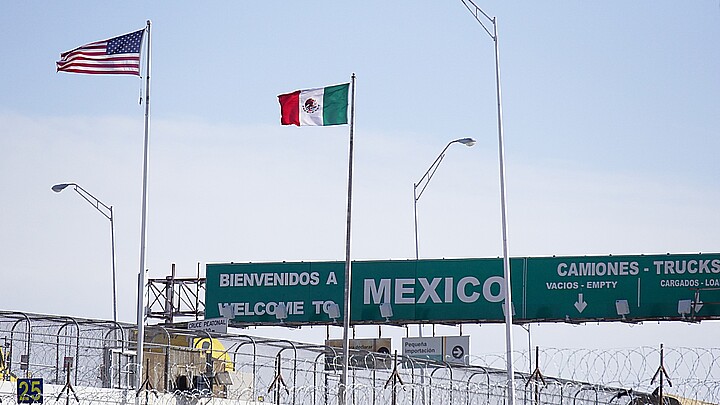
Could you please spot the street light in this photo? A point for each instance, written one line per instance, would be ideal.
(107, 212)
(481, 16)
(426, 179)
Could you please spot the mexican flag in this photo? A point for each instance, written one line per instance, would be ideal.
(320, 107)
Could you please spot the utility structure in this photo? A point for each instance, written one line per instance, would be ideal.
(482, 18)
(107, 212)
(425, 180)
(171, 297)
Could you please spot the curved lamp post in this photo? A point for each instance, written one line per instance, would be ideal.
(425, 180)
(107, 212)
(481, 16)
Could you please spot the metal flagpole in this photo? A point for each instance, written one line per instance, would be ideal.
(141, 275)
(346, 301)
(478, 13)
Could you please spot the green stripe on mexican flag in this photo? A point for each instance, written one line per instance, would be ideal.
(320, 107)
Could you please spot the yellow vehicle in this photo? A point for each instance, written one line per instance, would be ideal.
(178, 361)
(5, 374)
(219, 353)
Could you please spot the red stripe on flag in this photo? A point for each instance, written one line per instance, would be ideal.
(119, 55)
(290, 108)
(133, 65)
(102, 72)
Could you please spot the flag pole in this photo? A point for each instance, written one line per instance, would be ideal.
(141, 275)
(348, 270)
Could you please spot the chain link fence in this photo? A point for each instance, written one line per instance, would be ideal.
(91, 361)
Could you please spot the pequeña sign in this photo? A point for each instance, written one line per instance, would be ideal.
(545, 289)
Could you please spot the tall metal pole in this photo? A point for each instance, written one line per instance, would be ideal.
(109, 215)
(417, 257)
(417, 251)
(415, 200)
(427, 177)
(348, 270)
(112, 239)
(506, 256)
(141, 275)
(478, 13)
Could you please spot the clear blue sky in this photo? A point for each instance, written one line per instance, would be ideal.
(611, 113)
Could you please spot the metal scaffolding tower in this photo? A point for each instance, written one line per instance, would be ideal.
(171, 298)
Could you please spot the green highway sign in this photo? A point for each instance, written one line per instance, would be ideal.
(575, 289)
(454, 290)
(254, 291)
(652, 287)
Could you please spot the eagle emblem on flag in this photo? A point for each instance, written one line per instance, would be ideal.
(311, 105)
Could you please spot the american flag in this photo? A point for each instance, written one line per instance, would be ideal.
(114, 56)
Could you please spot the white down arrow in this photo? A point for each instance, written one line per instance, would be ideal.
(580, 304)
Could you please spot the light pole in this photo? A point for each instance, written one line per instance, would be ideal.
(481, 16)
(425, 180)
(107, 212)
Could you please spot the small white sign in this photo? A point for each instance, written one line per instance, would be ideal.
(215, 325)
(448, 349)
(429, 348)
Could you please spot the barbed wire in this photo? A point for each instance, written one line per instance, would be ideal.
(694, 372)
(97, 359)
